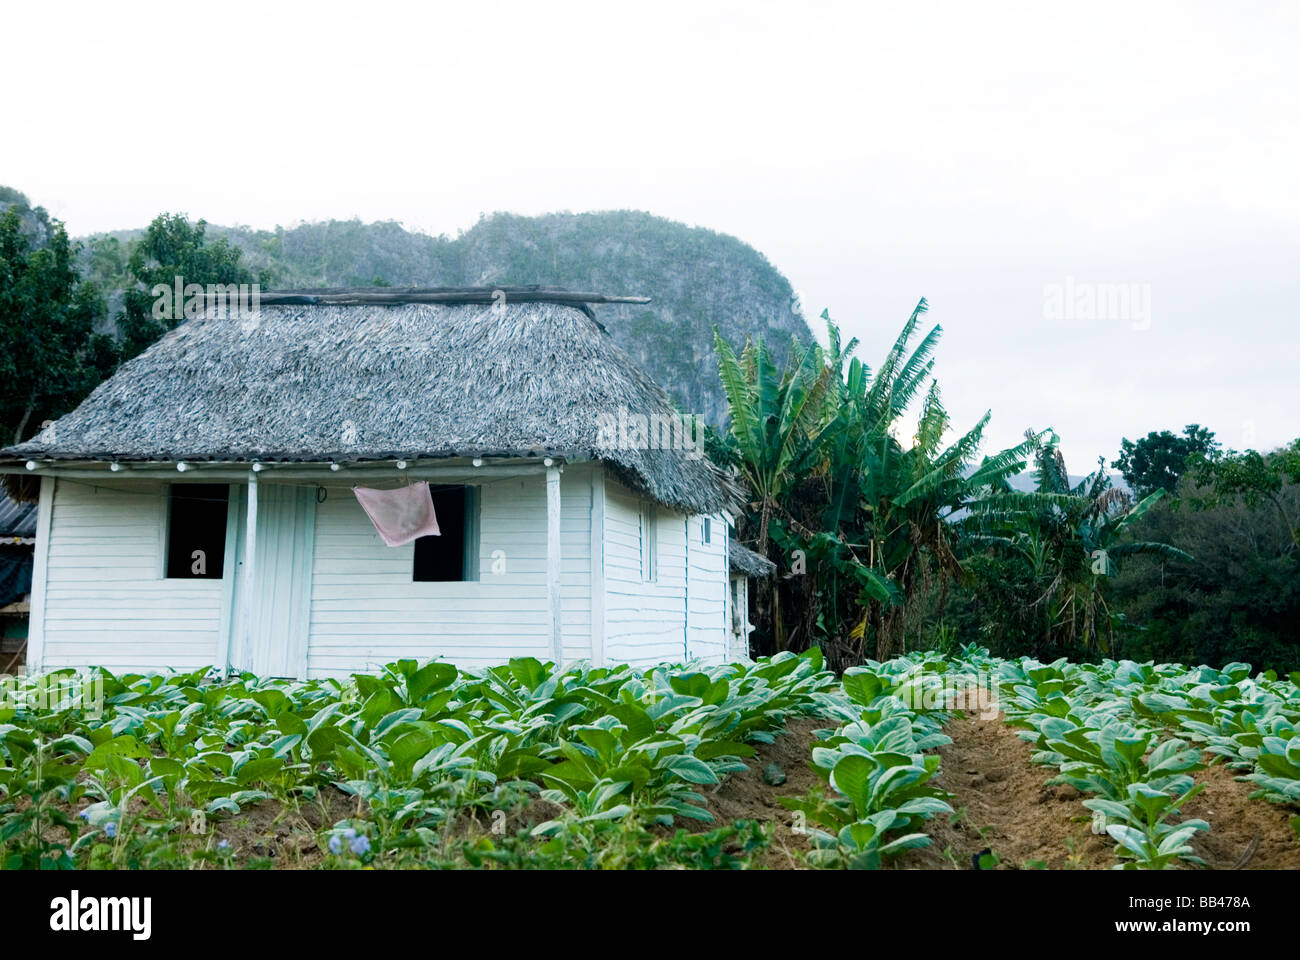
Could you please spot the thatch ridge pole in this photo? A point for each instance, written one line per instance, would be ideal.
(553, 561)
(489, 295)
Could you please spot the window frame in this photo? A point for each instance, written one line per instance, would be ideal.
(165, 531)
(470, 571)
(648, 541)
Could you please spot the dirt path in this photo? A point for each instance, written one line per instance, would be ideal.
(1004, 805)
(747, 796)
(1244, 834)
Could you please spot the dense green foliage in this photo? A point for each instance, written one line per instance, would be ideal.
(1159, 460)
(1240, 597)
(1220, 582)
(171, 247)
(1059, 547)
(878, 544)
(50, 355)
(524, 766)
(857, 520)
(1254, 479)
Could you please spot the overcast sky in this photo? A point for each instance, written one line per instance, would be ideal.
(1004, 160)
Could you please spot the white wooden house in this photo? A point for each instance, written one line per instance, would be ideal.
(197, 510)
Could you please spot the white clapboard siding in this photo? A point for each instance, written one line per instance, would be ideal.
(645, 622)
(575, 547)
(106, 600)
(706, 613)
(367, 611)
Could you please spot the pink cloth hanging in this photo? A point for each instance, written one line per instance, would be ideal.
(402, 514)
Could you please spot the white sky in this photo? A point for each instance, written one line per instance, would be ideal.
(972, 153)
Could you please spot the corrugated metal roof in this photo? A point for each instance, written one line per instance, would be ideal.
(17, 519)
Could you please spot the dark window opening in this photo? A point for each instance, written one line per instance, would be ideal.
(453, 554)
(708, 530)
(196, 530)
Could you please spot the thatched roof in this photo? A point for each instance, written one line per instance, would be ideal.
(746, 561)
(349, 377)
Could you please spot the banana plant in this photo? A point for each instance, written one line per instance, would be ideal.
(1072, 537)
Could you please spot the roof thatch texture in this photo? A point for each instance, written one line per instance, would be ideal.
(381, 381)
(746, 561)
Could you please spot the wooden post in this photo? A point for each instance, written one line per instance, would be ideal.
(686, 593)
(40, 574)
(250, 558)
(230, 572)
(553, 561)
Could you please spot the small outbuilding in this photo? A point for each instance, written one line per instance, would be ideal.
(745, 565)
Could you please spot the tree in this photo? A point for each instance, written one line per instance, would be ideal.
(858, 519)
(1071, 540)
(1159, 460)
(1239, 599)
(907, 495)
(776, 422)
(1253, 477)
(172, 247)
(50, 355)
